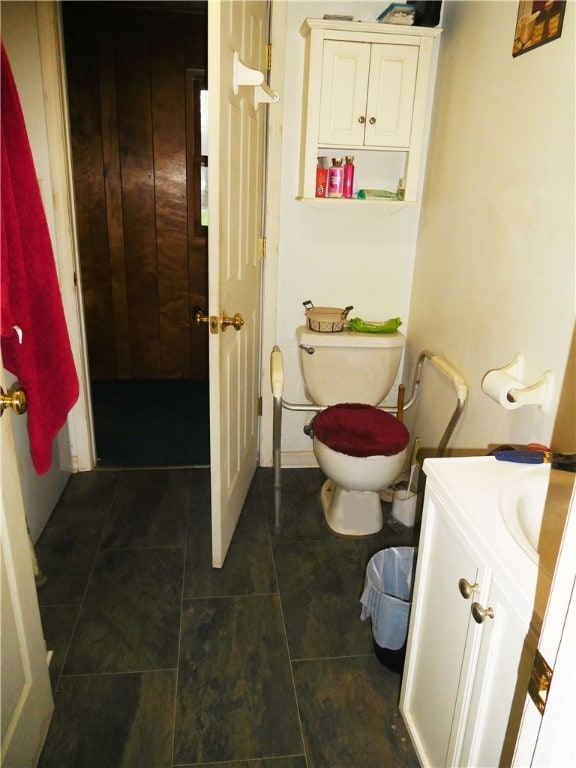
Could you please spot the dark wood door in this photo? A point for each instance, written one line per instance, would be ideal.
(131, 71)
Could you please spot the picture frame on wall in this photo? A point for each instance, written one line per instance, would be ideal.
(537, 23)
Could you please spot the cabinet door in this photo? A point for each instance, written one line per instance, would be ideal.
(441, 639)
(345, 69)
(500, 684)
(391, 91)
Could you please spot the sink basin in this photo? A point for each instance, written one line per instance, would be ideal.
(533, 507)
(522, 507)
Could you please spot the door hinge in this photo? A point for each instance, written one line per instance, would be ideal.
(540, 680)
(262, 248)
(259, 406)
(268, 57)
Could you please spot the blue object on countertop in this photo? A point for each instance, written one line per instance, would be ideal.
(565, 461)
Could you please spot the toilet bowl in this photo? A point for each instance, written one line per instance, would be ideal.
(360, 448)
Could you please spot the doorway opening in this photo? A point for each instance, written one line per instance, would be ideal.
(137, 79)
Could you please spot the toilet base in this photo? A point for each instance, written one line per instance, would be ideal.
(351, 513)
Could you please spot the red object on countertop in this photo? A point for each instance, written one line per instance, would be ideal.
(33, 332)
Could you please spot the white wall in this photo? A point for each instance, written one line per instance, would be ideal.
(493, 268)
(332, 257)
(495, 264)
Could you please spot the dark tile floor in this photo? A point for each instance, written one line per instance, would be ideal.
(160, 660)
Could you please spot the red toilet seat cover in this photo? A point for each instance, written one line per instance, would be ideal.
(360, 430)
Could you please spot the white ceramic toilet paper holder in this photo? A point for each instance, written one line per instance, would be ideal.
(539, 394)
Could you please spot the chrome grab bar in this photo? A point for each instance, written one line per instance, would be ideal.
(460, 386)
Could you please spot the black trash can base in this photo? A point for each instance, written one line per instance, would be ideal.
(392, 660)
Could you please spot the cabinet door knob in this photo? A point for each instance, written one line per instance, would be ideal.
(467, 589)
(372, 120)
(480, 613)
(361, 119)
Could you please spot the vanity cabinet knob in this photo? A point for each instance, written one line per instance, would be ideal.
(479, 613)
(361, 119)
(372, 121)
(467, 589)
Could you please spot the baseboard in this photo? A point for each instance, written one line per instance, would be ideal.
(299, 459)
(294, 460)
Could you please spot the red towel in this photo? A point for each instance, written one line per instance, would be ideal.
(30, 294)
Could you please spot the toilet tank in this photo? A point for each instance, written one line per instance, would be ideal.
(349, 367)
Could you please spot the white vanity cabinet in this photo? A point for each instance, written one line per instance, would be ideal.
(470, 647)
(501, 675)
(367, 92)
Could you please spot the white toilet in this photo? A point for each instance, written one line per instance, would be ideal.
(360, 449)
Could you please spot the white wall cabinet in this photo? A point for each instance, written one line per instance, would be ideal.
(470, 648)
(367, 92)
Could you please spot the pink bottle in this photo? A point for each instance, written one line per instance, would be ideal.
(336, 178)
(348, 177)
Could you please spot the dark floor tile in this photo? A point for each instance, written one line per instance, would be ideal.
(130, 617)
(296, 761)
(256, 493)
(90, 489)
(320, 584)
(235, 696)
(66, 551)
(199, 487)
(57, 624)
(150, 509)
(396, 536)
(112, 721)
(301, 512)
(350, 716)
(249, 565)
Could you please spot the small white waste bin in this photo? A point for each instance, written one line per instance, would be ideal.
(386, 599)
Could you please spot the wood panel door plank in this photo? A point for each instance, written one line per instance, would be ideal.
(137, 164)
(113, 186)
(169, 132)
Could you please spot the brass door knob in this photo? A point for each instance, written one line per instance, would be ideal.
(199, 316)
(237, 321)
(479, 613)
(467, 589)
(361, 119)
(201, 319)
(372, 121)
(15, 400)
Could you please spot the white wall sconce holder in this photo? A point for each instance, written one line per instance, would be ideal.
(243, 75)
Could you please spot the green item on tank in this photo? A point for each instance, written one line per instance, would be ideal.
(374, 194)
(364, 326)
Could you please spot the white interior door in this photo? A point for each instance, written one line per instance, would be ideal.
(235, 191)
(27, 703)
(548, 739)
